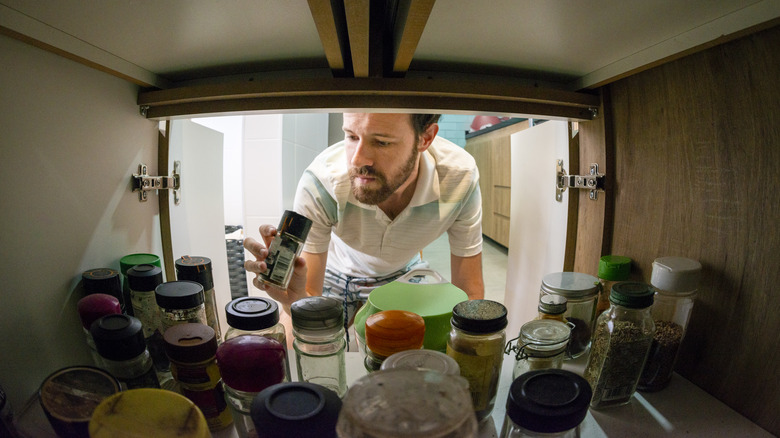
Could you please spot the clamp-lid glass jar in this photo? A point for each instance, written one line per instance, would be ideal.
(581, 292)
(541, 345)
(391, 331)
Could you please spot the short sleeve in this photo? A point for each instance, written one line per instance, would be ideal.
(465, 234)
(314, 201)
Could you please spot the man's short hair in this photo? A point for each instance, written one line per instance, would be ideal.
(421, 122)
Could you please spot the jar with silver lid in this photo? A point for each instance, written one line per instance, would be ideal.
(179, 302)
(422, 360)
(541, 345)
(581, 292)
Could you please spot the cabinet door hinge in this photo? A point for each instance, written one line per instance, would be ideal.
(143, 182)
(593, 182)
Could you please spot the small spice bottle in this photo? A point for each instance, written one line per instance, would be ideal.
(476, 342)
(105, 281)
(143, 279)
(248, 365)
(318, 327)
(422, 360)
(541, 345)
(548, 403)
(91, 308)
(179, 302)
(192, 349)
(612, 268)
(391, 331)
(127, 262)
(120, 341)
(621, 342)
(581, 292)
(552, 307)
(676, 281)
(256, 316)
(296, 409)
(198, 269)
(286, 246)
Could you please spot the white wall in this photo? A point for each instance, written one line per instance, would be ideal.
(71, 138)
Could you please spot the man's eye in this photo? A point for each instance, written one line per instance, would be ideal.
(352, 138)
(382, 143)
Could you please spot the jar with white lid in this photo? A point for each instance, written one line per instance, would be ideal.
(581, 292)
(541, 345)
(676, 281)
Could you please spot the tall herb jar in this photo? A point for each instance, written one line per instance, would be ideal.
(476, 342)
(581, 292)
(621, 342)
(180, 302)
(198, 269)
(676, 280)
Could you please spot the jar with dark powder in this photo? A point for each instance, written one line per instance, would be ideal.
(676, 280)
(581, 292)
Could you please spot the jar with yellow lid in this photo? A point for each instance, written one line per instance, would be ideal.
(389, 332)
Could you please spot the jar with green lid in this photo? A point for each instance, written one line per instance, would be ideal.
(621, 342)
(581, 292)
(541, 345)
(198, 269)
(179, 302)
(389, 332)
(127, 262)
(676, 281)
(612, 269)
(476, 342)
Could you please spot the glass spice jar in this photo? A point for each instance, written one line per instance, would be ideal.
(552, 307)
(256, 316)
(391, 331)
(127, 262)
(179, 302)
(91, 308)
(581, 292)
(476, 342)
(286, 246)
(120, 342)
(143, 279)
(612, 269)
(198, 269)
(546, 403)
(105, 281)
(621, 342)
(676, 281)
(422, 360)
(541, 345)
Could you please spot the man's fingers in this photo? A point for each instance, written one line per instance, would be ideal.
(268, 232)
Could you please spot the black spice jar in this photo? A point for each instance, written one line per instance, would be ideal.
(296, 409)
(180, 302)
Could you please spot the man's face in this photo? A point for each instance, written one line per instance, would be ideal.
(381, 152)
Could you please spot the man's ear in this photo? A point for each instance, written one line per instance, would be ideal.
(426, 138)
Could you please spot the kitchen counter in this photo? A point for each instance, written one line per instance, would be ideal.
(682, 409)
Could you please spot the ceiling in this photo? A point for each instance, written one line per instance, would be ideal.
(570, 45)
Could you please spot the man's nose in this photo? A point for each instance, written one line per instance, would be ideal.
(363, 155)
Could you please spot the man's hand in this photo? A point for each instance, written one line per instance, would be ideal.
(297, 287)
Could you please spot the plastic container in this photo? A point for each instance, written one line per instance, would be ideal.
(198, 269)
(621, 343)
(476, 343)
(581, 292)
(318, 327)
(676, 281)
(391, 331)
(120, 342)
(296, 409)
(406, 403)
(179, 302)
(541, 345)
(422, 360)
(286, 246)
(546, 403)
(612, 269)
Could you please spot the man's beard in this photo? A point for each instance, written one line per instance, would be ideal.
(386, 188)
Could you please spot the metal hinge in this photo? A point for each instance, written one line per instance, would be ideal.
(593, 182)
(142, 182)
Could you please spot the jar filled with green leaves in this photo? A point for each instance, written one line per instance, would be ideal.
(621, 342)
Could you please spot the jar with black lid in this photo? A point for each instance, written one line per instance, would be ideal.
(119, 340)
(180, 302)
(198, 269)
(284, 248)
(105, 281)
(476, 342)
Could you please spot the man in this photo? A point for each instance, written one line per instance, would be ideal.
(376, 200)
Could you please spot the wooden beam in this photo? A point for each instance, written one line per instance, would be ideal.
(358, 19)
(325, 21)
(409, 25)
(163, 145)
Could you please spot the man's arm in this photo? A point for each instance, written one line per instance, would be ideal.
(315, 277)
(466, 274)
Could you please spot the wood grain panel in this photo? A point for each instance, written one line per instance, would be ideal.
(502, 157)
(324, 20)
(501, 229)
(358, 18)
(502, 200)
(697, 150)
(480, 150)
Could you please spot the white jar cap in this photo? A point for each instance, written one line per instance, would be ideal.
(676, 274)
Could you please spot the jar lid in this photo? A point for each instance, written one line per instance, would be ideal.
(130, 260)
(552, 304)
(182, 294)
(296, 224)
(296, 409)
(545, 334)
(118, 337)
(190, 342)
(479, 316)
(252, 313)
(632, 294)
(144, 277)
(391, 331)
(570, 284)
(197, 269)
(548, 401)
(317, 315)
(422, 360)
(251, 363)
(103, 281)
(676, 274)
(614, 267)
(71, 394)
(94, 306)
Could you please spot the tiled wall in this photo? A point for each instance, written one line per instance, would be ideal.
(453, 127)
